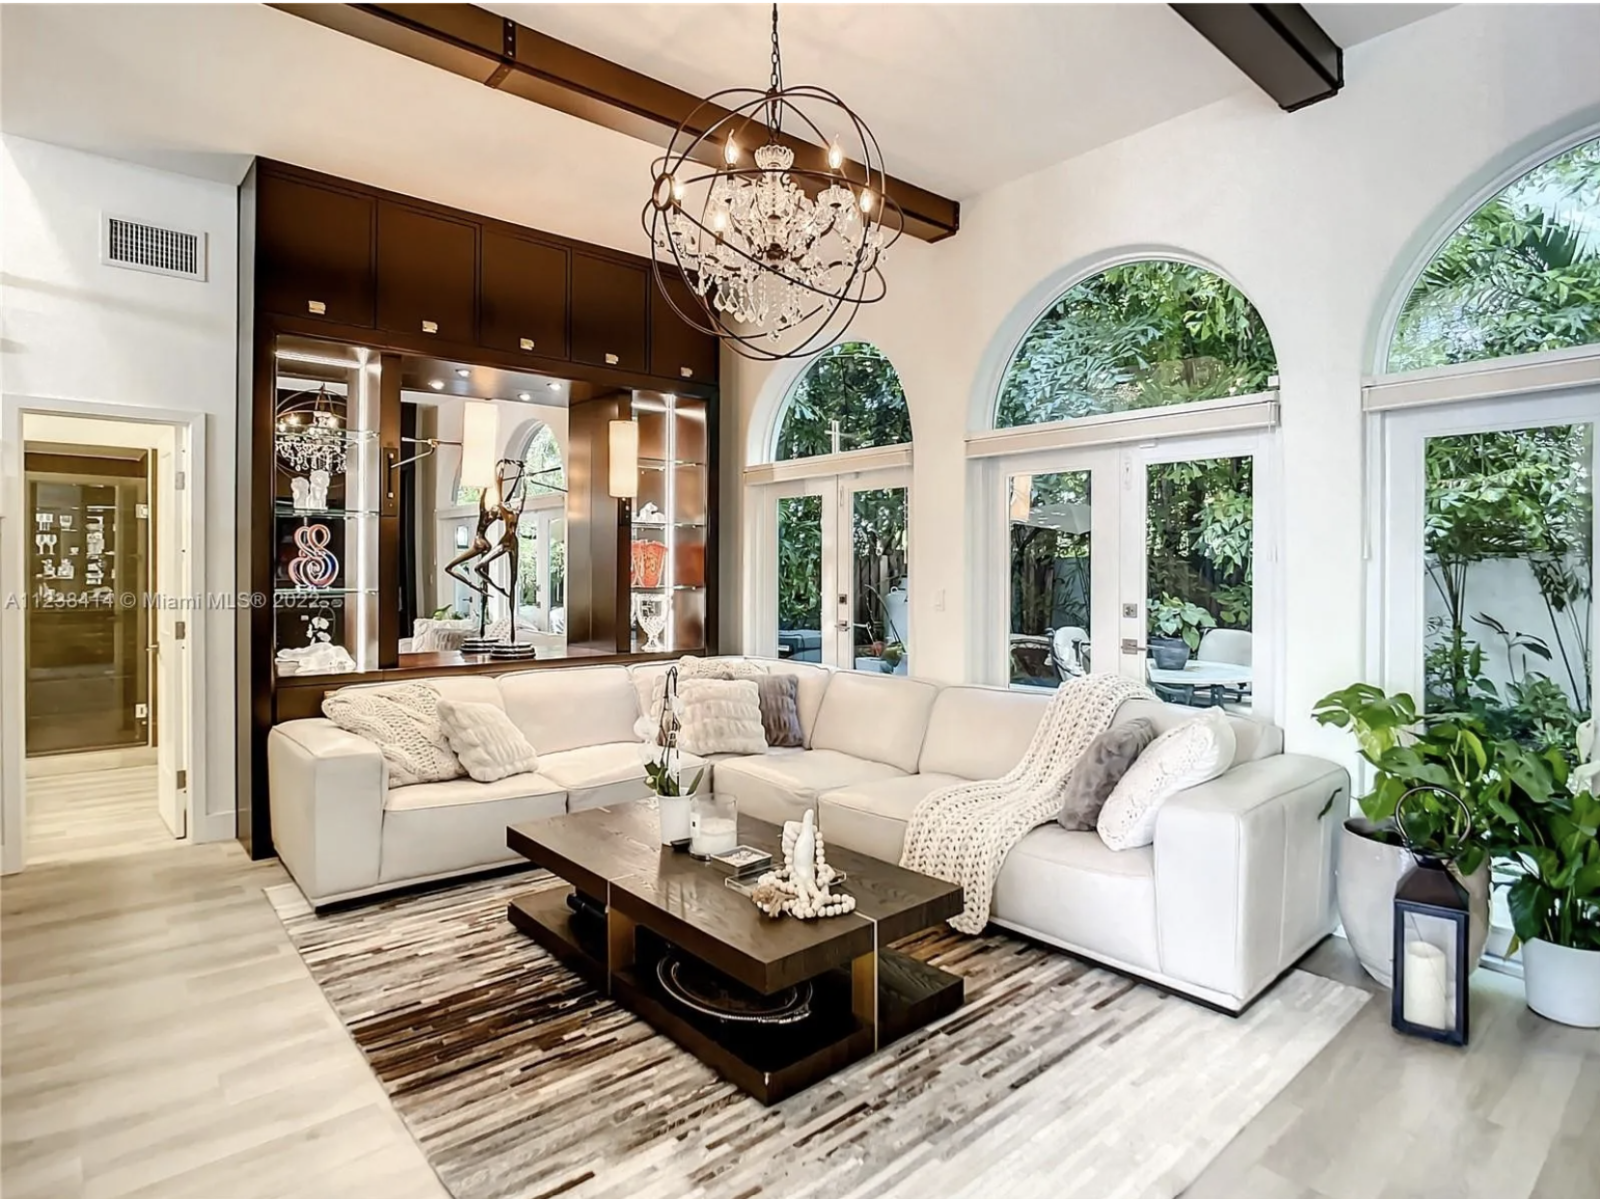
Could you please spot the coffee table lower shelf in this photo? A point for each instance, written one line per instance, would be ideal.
(770, 1063)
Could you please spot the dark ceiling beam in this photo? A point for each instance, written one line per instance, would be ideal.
(499, 53)
(1280, 46)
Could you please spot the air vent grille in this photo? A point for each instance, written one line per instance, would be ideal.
(138, 246)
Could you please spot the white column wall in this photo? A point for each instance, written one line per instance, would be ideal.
(1319, 216)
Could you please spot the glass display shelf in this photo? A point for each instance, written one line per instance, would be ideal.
(672, 587)
(314, 592)
(323, 433)
(663, 463)
(287, 508)
(669, 524)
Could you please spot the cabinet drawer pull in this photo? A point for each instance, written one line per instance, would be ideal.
(612, 360)
(686, 371)
(430, 326)
(526, 343)
(316, 308)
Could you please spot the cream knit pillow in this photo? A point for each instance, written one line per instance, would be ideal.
(402, 719)
(720, 716)
(1192, 753)
(488, 744)
(648, 726)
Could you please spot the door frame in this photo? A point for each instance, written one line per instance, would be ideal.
(190, 435)
(835, 489)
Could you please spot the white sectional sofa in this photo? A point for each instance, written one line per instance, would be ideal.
(1236, 888)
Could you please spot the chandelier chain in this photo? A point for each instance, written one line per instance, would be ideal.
(774, 110)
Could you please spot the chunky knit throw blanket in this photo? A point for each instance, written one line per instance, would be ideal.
(963, 833)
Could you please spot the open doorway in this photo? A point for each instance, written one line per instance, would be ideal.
(105, 615)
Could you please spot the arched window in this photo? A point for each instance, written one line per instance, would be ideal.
(542, 462)
(1522, 274)
(1140, 335)
(848, 399)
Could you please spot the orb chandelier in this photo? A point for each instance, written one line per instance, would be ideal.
(778, 257)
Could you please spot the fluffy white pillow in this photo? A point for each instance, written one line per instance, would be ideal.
(648, 727)
(1194, 752)
(720, 716)
(488, 744)
(402, 719)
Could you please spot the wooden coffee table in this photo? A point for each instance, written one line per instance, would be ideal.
(865, 995)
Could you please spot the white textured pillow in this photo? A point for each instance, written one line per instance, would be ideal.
(402, 720)
(1194, 752)
(648, 726)
(720, 716)
(488, 744)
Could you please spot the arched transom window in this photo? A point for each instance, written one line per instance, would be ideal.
(849, 398)
(542, 462)
(1520, 275)
(1140, 335)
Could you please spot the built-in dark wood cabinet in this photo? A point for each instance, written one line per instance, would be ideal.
(610, 313)
(427, 273)
(315, 250)
(522, 295)
(678, 351)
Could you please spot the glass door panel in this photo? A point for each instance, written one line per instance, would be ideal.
(799, 577)
(1051, 534)
(879, 582)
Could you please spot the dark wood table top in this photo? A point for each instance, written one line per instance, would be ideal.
(615, 853)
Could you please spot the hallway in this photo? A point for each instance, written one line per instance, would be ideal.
(89, 815)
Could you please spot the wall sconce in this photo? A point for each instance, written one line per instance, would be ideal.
(480, 444)
(624, 460)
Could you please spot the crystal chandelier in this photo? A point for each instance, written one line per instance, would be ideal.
(312, 438)
(778, 257)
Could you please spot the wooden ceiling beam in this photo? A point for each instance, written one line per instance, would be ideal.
(1280, 46)
(502, 54)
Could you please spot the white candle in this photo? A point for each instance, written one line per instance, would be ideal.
(1426, 981)
(714, 834)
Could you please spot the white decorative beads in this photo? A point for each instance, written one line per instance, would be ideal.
(801, 887)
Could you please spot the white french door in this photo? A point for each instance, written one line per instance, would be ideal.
(1098, 540)
(832, 570)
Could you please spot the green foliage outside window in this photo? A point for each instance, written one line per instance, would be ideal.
(1521, 275)
(1141, 335)
(800, 562)
(854, 384)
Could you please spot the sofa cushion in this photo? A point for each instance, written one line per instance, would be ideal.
(871, 818)
(441, 828)
(565, 709)
(812, 684)
(1253, 739)
(783, 786)
(879, 717)
(980, 732)
(402, 720)
(1068, 888)
(597, 775)
(488, 745)
(1107, 758)
(1195, 752)
(720, 716)
(779, 696)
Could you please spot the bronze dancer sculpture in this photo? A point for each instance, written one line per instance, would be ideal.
(503, 503)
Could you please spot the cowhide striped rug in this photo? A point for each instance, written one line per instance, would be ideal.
(1055, 1079)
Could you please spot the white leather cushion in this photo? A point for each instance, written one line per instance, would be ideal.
(871, 818)
(879, 717)
(488, 745)
(980, 732)
(402, 720)
(689, 667)
(1194, 752)
(780, 786)
(565, 709)
(720, 716)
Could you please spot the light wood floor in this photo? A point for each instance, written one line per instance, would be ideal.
(162, 1039)
(84, 816)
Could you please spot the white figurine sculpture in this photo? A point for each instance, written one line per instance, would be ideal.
(301, 490)
(319, 489)
(801, 887)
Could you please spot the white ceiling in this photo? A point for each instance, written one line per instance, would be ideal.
(961, 97)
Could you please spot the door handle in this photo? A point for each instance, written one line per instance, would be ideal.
(1131, 645)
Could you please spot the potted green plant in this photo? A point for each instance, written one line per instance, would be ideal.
(894, 657)
(1548, 838)
(1176, 627)
(1408, 751)
(663, 769)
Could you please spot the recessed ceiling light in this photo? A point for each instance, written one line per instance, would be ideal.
(553, 385)
(463, 372)
(524, 396)
(436, 384)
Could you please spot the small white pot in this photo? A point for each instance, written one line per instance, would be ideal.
(1368, 873)
(1563, 984)
(674, 812)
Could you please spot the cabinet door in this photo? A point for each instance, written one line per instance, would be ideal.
(609, 305)
(523, 295)
(314, 250)
(677, 350)
(427, 273)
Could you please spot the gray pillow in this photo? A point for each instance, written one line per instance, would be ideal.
(780, 710)
(1099, 770)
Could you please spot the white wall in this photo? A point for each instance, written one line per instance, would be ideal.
(1317, 215)
(79, 333)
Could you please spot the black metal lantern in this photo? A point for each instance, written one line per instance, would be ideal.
(1432, 921)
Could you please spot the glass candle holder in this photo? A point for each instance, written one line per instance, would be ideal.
(713, 824)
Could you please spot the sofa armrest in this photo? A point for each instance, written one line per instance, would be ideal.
(326, 789)
(1244, 869)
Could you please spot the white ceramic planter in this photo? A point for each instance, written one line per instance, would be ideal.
(1368, 873)
(1563, 984)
